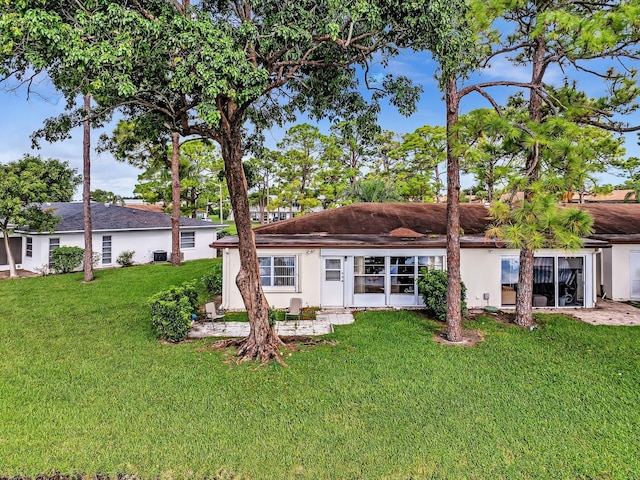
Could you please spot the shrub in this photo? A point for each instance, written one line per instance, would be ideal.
(212, 281)
(66, 259)
(171, 311)
(125, 259)
(432, 285)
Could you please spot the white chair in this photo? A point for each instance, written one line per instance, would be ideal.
(294, 309)
(210, 312)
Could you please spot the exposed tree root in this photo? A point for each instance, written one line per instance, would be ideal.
(245, 352)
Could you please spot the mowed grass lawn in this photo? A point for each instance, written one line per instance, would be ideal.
(86, 388)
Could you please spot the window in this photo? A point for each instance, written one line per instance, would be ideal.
(106, 249)
(368, 274)
(557, 281)
(435, 262)
(53, 244)
(29, 247)
(333, 270)
(402, 273)
(187, 239)
(277, 271)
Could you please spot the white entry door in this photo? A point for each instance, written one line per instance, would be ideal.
(333, 282)
(634, 266)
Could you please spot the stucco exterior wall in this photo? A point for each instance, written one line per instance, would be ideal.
(480, 270)
(143, 243)
(308, 271)
(620, 285)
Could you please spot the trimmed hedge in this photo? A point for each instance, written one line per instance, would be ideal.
(66, 259)
(171, 312)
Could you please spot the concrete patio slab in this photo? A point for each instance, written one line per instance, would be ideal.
(322, 325)
(607, 312)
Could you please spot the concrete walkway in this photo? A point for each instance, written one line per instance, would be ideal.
(322, 325)
(607, 312)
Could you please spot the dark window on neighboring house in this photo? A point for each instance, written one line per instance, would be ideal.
(53, 244)
(187, 239)
(29, 247)
(106, 249)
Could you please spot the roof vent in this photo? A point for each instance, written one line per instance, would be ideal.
(405, 233)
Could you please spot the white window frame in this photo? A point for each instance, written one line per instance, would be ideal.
(53, 244)
(187, 240)
(271, 273)
(107, 247)
(28, 249)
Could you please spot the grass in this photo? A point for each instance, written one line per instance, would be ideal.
(85, 387)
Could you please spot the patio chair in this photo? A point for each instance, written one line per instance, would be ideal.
(210, 312)
(294, 309)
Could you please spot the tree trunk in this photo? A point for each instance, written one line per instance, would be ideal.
(86, 192)
(175, 199)
(524, 300)
(524, 296)
(13, 271)
(454, 307)
(262, 342)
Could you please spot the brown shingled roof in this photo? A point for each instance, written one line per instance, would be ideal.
(389, 225)
(381, 219)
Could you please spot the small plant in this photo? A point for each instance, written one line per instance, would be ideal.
(125, 259)
(66, 259)
(171, 311)
(432, 285)
(212, 281)
(95, 259)
(273, 316)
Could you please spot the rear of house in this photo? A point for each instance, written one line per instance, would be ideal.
(370, 255)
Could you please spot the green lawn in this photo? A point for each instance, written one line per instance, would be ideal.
(85, 387)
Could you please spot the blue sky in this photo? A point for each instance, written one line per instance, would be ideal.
(22, 115)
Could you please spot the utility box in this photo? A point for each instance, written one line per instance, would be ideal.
(160, 256)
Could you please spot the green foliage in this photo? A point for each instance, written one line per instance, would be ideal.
(539, 222)
(167, 406)
(171, 311)
(212, 281)
(125, 258)
(432, 285)
(66, 259)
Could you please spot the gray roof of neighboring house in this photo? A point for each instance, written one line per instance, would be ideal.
(414, 225)
(108, 217)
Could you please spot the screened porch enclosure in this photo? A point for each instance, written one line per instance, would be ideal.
(558, 281)
(386, 278)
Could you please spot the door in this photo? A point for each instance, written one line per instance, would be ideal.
(634, 266)
(333, 282)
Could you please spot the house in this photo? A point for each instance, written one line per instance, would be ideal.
(369, 255)
(115, 229)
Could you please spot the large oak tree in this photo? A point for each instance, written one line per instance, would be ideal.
(224, 70)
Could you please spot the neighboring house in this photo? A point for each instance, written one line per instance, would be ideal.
(369, 255)
(115, 229)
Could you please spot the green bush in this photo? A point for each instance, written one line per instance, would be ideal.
(171, 311)
(212, 281)
(66, 259)
(125, 259)
(432, 285)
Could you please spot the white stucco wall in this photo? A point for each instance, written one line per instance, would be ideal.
(308, 271)
(143, 243)
(619, 287)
